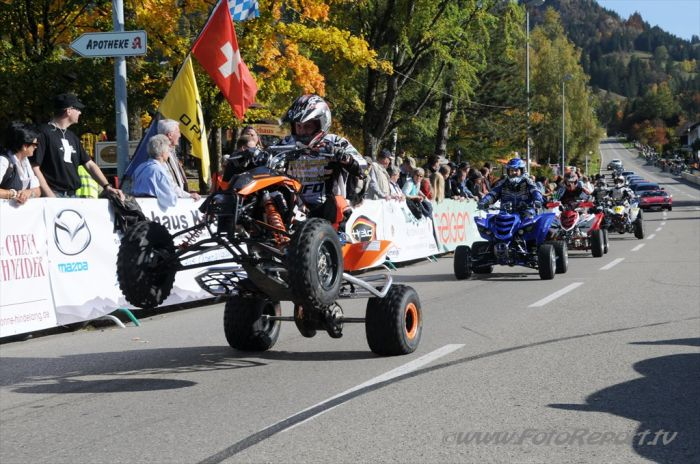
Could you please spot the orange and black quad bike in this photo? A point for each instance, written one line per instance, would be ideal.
(257, 248)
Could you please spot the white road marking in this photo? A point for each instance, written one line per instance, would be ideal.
(638, 247)
(664, 214)
(658, 229)
(663, 223)
(651, 236)
(556, 295)
(612, 264)
(399, 371)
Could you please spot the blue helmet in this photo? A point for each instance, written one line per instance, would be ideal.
(516, 164)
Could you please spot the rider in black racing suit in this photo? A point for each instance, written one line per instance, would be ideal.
(322, 177)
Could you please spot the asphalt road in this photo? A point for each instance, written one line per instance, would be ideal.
(598, 365)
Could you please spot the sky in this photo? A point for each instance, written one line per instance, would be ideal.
(678, 17)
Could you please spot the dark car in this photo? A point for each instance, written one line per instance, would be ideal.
(635, 180)
(644, 186)
(655, 199)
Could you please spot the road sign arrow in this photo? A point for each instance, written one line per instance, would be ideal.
(100, 44)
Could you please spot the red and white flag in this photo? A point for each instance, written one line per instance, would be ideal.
(217, 51)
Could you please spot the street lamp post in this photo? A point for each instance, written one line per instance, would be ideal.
(567, 77)
(590, 156)
(528, 4)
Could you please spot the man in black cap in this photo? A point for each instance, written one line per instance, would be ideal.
(59, 153)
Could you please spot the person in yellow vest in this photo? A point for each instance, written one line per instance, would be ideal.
(88, 186)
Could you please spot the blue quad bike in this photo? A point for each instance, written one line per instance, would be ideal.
(511, 240)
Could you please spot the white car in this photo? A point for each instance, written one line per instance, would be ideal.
(614, 164)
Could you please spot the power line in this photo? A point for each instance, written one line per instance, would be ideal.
(470, 102)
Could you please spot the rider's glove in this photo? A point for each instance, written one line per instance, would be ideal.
(340, 153)
(537, 205)
(482, 205)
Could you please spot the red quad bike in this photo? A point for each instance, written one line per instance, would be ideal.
(579, 226)
(267, 251)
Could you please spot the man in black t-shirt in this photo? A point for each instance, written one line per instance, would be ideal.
(60, 152)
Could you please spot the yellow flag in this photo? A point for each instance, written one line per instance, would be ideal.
(182, 104)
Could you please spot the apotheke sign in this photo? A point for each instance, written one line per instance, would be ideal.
(104, 44)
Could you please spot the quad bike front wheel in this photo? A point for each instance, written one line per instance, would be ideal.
(315, 262)
(394, 324)
(145, 270)
(597, 243)
(244, 325)
(546, 261)
(462, 262)
(561, 250)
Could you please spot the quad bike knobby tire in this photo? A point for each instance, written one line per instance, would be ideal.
(394, 324)
(561, 250)
(546, 261)
(315, 263)
(144, 271)
(605, 241)
(479, 249)
(244, 326)
(463, 262)
(639, 228)
(597, 243)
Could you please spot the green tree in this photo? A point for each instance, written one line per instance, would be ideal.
(427, 42)
(557, 68)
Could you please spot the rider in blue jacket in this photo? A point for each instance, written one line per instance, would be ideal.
(517, 189)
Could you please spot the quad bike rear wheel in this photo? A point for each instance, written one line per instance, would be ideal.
(145, 270)
(394, 324)
(605, 241)
(597, 243)
(639, 228)
(462, 262)
(481, 249)
(546, 261)
(244, 325)
(315, 262)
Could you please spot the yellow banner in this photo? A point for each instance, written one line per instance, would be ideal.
(182, 104)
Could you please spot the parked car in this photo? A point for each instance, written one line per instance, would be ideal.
(655, 199)
(625, 174)
(644, 186)
(614, 164)
(631, 180)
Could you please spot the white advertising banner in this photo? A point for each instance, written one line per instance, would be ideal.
(82, 258)
(454, 223)
(58, 256)
(392, 220)
(26, 304)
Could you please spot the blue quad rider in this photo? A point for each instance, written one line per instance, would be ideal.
(517, 189)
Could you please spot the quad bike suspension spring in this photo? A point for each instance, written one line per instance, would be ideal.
(274, 218)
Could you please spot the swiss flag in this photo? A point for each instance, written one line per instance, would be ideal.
(217, 51)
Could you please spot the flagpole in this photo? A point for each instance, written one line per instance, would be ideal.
(211, 13)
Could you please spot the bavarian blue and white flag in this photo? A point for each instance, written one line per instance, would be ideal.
(243, 9)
